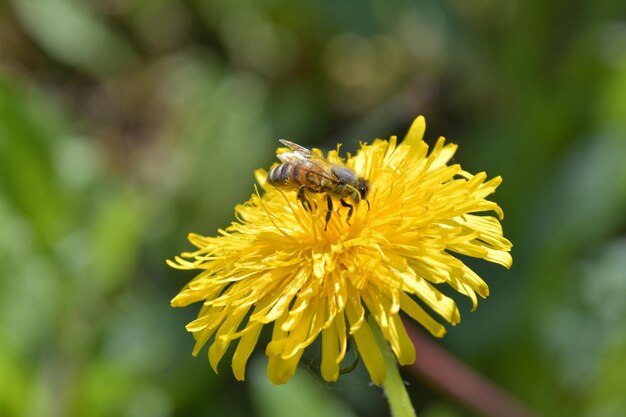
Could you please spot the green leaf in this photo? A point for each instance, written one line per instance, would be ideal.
(73, 34)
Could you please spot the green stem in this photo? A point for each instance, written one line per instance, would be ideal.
(394, 386)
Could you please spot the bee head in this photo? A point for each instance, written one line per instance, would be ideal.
(363, 186)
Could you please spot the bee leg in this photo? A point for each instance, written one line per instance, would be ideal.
(350, 210)
(302, 198)
(329, 202)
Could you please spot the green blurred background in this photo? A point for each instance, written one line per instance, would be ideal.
(124, 125)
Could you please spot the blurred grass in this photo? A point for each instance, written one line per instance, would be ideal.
(126, 125)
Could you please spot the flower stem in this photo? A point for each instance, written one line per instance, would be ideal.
(395, 389)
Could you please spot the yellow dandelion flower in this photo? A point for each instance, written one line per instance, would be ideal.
(277, 265)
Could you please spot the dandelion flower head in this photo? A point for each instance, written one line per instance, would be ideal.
(277, 266)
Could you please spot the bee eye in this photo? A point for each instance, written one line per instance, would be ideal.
(363, 189)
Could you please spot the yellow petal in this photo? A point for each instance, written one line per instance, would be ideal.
(391, 326)
(219, 346)
(279, 370)
(367, 346)
(244, 350)
(402, 345)
(416, 132)
(358, 313)
(342, 334)
(330, 352)
(418, 314)
(441, 304)
(370, 353)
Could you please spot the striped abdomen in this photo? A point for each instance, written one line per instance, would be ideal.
(286, 175)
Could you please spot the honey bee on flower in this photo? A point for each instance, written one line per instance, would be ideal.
(309, 275)
(307, 171)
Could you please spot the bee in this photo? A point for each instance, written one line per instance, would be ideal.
(307, 171)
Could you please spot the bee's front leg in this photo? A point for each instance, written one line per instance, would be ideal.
(350, 210)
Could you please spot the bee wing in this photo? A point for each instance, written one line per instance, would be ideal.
(295, 147)
(304, 159)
